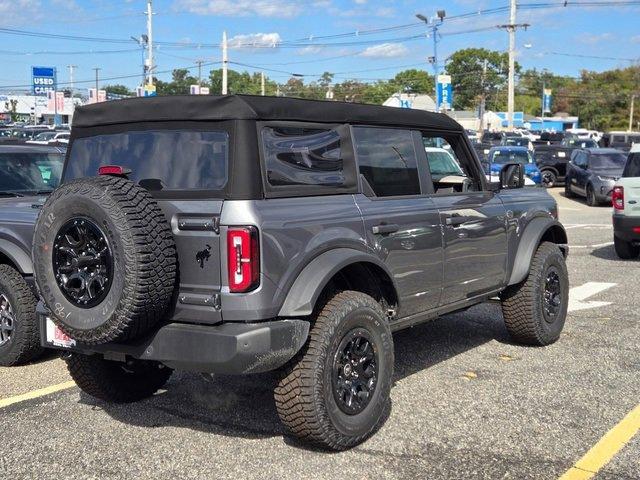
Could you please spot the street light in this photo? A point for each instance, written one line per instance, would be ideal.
(433, 24)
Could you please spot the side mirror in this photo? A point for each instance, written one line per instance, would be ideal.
(512, 176)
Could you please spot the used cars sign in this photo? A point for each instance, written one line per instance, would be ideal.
(44, 80)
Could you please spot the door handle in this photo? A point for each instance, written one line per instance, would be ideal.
(385, 228)
(456, 220)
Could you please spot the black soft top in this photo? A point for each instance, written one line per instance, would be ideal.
(250, 107)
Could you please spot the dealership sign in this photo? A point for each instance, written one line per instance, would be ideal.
(44, 80)
(444, 93)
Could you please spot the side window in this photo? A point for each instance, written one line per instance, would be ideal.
(632, 169)
(387, 160)
(302, 156)
(450, 173)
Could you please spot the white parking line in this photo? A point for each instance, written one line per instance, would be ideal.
(578, 295)
(604, 226)
(598, 245)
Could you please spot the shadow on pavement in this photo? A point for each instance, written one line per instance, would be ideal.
(243, 406)
(605, 253)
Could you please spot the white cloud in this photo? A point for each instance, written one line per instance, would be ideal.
(241, 8)
(255, 40)
(594, 39)
(309, 50)
(360, 2)
(635, 39)
(17, 12)
(385, 50)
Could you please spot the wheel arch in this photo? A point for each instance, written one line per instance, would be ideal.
(14, 256)
(537, 231)
(341, 268)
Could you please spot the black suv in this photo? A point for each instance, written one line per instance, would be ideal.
(244, 234)
(27, 175)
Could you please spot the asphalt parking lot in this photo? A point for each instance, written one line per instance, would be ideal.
(467, 403)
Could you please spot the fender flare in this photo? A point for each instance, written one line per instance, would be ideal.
(529, 241)
(306, 289)
(17, 256)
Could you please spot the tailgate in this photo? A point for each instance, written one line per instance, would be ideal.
(195, 227)
(631, 195)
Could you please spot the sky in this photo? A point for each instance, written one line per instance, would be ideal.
(283, 37)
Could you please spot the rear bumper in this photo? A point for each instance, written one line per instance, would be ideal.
(231, 348)
(623, 228)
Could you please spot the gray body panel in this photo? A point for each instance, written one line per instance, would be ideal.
(17, 220)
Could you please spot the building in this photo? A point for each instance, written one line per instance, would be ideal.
(36, 109)
(411, 100)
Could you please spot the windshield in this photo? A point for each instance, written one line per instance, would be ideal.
(517, 141)
(44, 136)
(503, 157)
(30, 172)
(441, 164)
(579, 143)
(158, 159)
(607, 161)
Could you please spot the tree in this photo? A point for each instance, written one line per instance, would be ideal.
(119, 90)
(180, 83)
(12, 107)
(466, 68)
(413, 81)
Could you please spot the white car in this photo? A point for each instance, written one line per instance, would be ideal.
(626, 208)
(45, 138)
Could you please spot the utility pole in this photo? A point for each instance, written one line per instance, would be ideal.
(633, 97)
(225, 63)
(483, 102)
(150, 65)
(97, 83)
(544, 87)
(262, 89)
(199, 62)
(71, 68)
(511, 28)
(433, 24)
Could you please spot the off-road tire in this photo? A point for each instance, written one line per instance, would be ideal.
(567, 189)
(592, 201)
(142, 249)
(304, 395)
(625, 250)
(116, 382)
(24, 343)
(522, 304)
(550, 176)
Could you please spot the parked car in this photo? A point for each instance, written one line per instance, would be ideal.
(552, 159)
(550, 138)
(592, 173)
(517, 142)
(242, 234)
(27, 175)
(620, 140)
(49, 137)
(500, 156)
(626, 208)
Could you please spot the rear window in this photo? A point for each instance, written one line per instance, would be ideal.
(296, 156)
(632, 168)
(158, 159)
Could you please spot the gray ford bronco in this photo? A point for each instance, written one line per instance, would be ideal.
(244, 234)
(27, 174)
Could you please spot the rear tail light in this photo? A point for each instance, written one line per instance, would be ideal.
(114, 170)
(617, 198)
(243, 258)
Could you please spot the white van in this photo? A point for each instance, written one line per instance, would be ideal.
(626, 208)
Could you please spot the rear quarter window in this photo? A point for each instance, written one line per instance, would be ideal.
(632, 168)
(159, 160)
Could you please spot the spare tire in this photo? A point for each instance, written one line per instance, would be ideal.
(104, 259)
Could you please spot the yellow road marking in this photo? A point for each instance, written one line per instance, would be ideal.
(5, 402)
(608, 446)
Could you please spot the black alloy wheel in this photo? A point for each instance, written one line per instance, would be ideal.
(7, 320)
(548, 179)
(355, 372)
(552, 295)
(82, 262)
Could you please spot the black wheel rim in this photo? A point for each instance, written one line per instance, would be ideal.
(552, 295)
(7, 320)
(82, 262)
(548, 179)
(355, 371)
